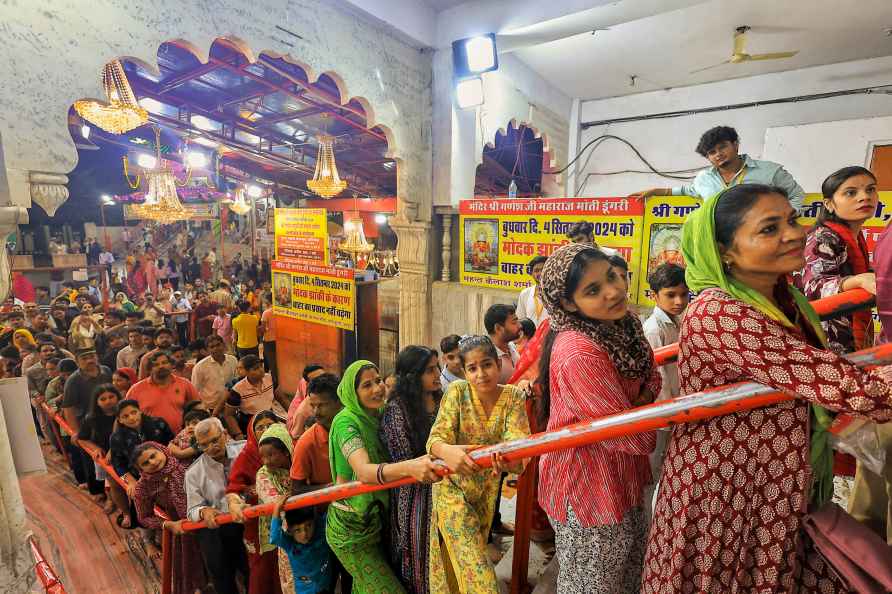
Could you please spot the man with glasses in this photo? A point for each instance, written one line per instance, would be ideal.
(206, 480)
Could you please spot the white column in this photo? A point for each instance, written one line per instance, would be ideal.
(16, 571)
(445, 276)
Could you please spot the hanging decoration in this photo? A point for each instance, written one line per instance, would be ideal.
(326, 182)
(239, 206)
(355, 243)
(162, 203)
(120, 113)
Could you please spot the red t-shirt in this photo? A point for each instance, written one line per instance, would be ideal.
(310, 457)
(166, 402)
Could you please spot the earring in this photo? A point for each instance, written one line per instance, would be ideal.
(726, 265)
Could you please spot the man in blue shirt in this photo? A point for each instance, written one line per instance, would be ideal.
(720, 145)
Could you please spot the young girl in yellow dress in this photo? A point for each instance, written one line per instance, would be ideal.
(473, 413)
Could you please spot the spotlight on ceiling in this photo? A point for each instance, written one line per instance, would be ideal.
(85, 131)
(469, 92)
(146, 161)
(254, 191)
(203, 123)
(380, 219)
(107, 200)
(474, 55)
(196, 159)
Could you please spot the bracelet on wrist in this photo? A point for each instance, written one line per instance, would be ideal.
(381, 473)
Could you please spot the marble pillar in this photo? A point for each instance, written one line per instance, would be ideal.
(415, 279)
(446, 274)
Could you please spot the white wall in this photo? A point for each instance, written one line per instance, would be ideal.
(812, 151)
(669, 143)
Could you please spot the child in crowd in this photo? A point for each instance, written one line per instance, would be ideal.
(223, 327)
(96, 429)
(274, 482)
(473, 413)
(133, 429)
(527, 331)
(671, 296)
(183, 446)
(452, 370)
(123, 378)
(302, 537)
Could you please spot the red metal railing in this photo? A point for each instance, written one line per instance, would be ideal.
(45, 574)
(684, 409)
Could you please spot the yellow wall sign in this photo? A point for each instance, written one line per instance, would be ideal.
(314, 293)
(301, 234)
(661, 243)
(500, 237)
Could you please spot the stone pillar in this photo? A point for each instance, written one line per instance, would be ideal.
(415, 279)
(16, 571)
(445, 276)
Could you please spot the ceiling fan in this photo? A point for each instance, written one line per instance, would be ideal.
(739, 56)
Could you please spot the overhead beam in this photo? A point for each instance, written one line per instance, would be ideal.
(185, 77)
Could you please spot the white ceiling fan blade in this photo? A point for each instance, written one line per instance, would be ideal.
(710, 67)
(774, 56)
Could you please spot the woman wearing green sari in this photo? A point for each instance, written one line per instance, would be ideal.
(735, 489)
(355, 525)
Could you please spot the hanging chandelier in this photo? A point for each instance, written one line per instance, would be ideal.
(355, 243)
(239, 206)
(162, 204)
(326, 182)
(121, 113)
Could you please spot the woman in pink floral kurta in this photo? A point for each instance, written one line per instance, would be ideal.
(273, 481)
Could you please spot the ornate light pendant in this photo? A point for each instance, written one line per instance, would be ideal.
(239, 206)
(355, 242)
(121, 113)
(326, 182)
(162, 204)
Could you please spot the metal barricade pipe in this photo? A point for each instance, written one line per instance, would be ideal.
(45, 574)
(710, 403)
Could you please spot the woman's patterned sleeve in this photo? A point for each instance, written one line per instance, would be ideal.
(723, 334)
(446, 426)
(395, 433)
(266, 490)
(145, 509)
(517, 425)
(825, 255)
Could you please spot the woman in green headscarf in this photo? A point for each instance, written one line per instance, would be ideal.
(355, 525)
(734, 489)
(273, 481)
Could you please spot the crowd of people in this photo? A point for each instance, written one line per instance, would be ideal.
(710, 506)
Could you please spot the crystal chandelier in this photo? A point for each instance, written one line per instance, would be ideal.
(355, 243)
(121, 113)
(239, 206)
(162, 204)
(326, 182)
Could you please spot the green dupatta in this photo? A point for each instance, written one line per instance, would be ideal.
(703, 270)
(280, 479)
(352, 428)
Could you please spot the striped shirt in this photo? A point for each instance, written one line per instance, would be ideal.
(604, 480)
(251, 399)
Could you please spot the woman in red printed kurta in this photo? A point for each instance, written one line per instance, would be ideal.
(735, 488)
(596, 362)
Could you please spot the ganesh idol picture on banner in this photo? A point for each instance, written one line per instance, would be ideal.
(481, 246)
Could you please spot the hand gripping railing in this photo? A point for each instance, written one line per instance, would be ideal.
(684, 409)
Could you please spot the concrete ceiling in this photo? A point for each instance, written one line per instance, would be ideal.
(662, 49)
(441, 5)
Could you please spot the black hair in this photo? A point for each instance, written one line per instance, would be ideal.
(449, 343)
(163, 330)
(574, 276)
(301, 515)
(325, 384)
(714, 136)
(136, 329)
(472, 343)
(152, 358)
(527, 327)
(199, 344)
(213, 338)
(115, 313)
(196, 414)
(310, 369)
(410, 365)
(135, 314)
(832, 184)
(666, 275)
(497, 313)
(250, 362)
(243, 306)
(276, 443)
(732, 207)
(265, 414)
(359, 373)
(535, 262)
(9, 352)
(54, 360)
(67, 365)
(619, 261)
(177, 348)
(580, 228)
(191, 405)
(95, 411)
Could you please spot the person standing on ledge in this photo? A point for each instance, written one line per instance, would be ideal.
(721, 145)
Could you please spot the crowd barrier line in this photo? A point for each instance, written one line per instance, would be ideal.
(45, 573)
(694, 407)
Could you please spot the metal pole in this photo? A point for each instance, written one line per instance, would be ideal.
(167, 562)
(710, 403)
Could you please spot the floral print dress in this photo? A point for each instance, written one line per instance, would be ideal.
(463, 506)
(735, 488)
